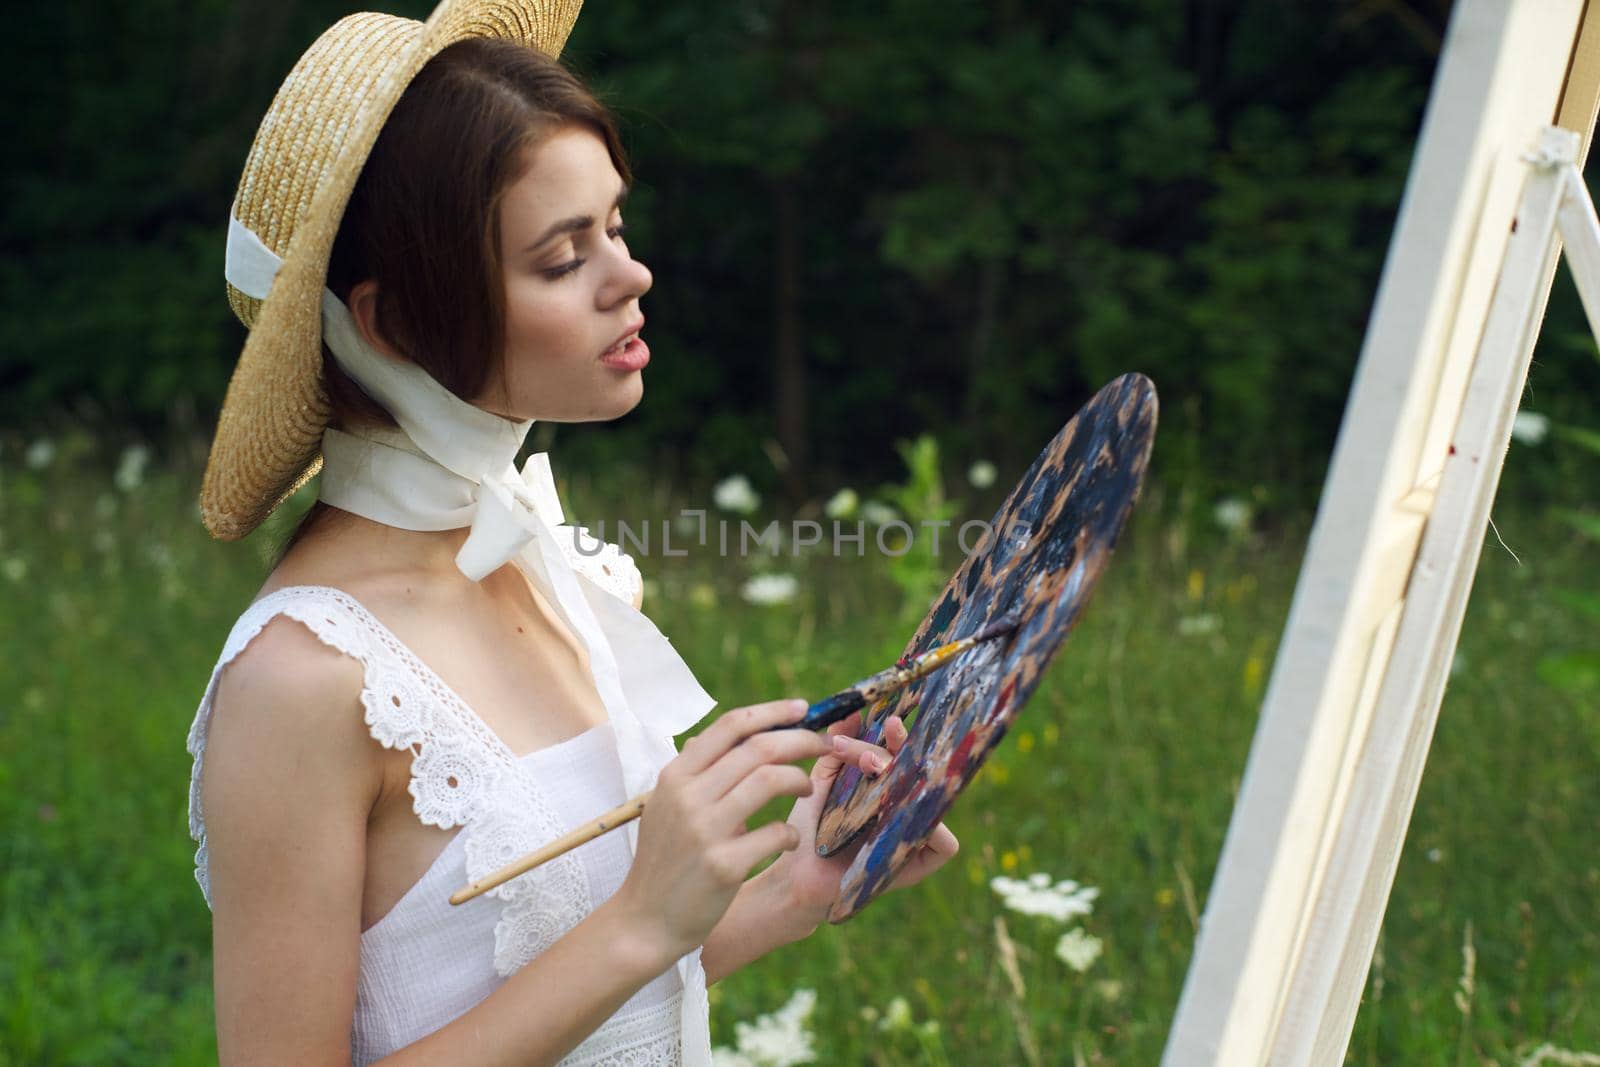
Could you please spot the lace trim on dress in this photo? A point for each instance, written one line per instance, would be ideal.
(648, 1037)
(462, 774)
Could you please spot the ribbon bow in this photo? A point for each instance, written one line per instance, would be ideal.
(512, 507)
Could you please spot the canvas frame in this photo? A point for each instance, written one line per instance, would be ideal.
(1292, 917)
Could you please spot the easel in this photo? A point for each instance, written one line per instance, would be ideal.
(1294, 911)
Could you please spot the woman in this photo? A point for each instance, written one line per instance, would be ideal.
(439, 674)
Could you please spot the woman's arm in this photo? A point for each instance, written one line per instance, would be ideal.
(290, 779)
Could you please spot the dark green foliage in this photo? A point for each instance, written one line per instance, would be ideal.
(863, 220)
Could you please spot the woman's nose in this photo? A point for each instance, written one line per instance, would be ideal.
(630, 279)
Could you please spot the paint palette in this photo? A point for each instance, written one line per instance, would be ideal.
(1041, 556)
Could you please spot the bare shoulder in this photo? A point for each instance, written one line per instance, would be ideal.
(287, 698)
(287, 659)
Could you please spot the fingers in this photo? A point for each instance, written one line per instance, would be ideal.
(755, 789)
(943, 843)
(872, 759)
(894, 730)
(746, 851)
(850, 725)
(768, 748)
(710, 745)
(895, 733)
(940, 848)
(827, 768)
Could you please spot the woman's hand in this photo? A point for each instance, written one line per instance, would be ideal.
(694, 852)
(810, 883)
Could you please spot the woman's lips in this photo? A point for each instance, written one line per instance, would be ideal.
(630, 356)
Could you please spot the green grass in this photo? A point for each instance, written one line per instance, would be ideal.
(1121, 773)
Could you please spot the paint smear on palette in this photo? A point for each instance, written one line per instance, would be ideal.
(1045, 549)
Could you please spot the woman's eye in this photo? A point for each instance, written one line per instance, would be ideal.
(613, 232)
(565, 269)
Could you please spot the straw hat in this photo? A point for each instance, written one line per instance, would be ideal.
(298, 177)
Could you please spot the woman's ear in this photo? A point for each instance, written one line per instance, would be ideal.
(364, 309)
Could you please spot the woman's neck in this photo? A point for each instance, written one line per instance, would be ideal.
(346, 544)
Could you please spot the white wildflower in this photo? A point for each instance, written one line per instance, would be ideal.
(981, 474)
(736, 494)
(40, 454)
(1233, 514)
(130, 468)
(1560, 1057)
(897, 1016)
(1110, 989)
(1529, 427)
(1078, 950)
(767, 589)
(1435, 855)
(105, 507)
(1063, 901)
(878, 513)
(1199, 625)
(1467, 984)
(15, 568)
(779, 1039)
(842, 504)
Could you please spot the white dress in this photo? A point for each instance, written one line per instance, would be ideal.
(426, 962)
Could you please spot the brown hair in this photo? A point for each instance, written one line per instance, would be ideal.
(424, 217)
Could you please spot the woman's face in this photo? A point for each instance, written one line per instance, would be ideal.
(572, 353)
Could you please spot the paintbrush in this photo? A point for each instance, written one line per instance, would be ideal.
(819, 716)
(824, 713)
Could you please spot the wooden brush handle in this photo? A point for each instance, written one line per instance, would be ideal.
(618, 816)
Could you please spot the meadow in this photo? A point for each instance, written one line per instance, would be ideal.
(1119, 775)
